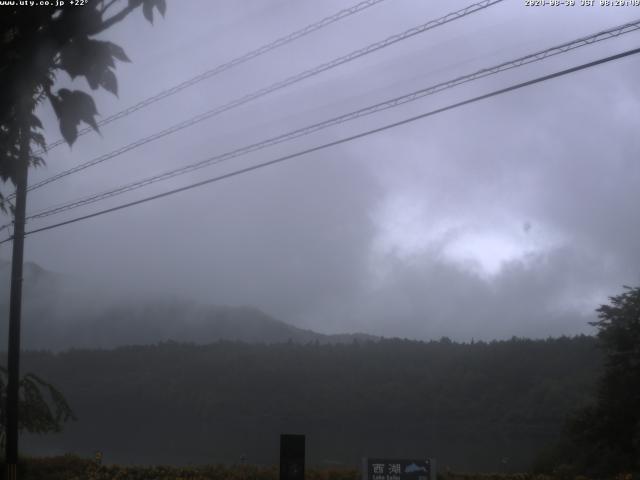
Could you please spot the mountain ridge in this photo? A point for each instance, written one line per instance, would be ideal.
(60, 314)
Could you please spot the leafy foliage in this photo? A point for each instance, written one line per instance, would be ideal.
(38, 43)
(43, 408)
(72, 107)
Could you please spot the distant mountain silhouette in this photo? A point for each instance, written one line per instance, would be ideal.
(61, 312)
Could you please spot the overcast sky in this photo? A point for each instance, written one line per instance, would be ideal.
(513, 216)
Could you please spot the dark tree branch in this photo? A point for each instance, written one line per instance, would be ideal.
(118, 17)
(107, 6)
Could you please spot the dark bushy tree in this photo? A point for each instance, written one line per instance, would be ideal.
(43, 407)
(612, 426)
(604, 438)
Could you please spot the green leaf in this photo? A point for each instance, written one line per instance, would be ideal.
(86, 108)
(68, 129)
(37, 161)
(72, 107)
(94, 79)
(109, 82)
(39, 140)
(161, 5)
(147, 10)
(35, 121)
(89, 58)
(118, 52)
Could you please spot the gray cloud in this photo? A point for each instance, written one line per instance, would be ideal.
(419, 231)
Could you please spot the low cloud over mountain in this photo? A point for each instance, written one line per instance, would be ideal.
(61, 312)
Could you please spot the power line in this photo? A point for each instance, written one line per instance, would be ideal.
(476, 7)
(342, 140)
(394, 102)
(344, 13)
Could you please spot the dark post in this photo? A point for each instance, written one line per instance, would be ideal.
(292, 457)
(15, 307)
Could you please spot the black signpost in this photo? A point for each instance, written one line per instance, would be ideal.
(292, 457)
(398, 469)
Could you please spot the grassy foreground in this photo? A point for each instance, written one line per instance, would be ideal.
(73, 467)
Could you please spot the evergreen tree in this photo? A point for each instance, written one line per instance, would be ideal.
(608, 433)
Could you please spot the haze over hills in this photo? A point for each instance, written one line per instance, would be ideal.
(206, 384)
(61, 312)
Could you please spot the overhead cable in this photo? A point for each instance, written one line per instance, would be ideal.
(340, 141)
(476, 7)
(394, 102)
(344, 13)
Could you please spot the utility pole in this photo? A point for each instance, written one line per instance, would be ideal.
(15, 305)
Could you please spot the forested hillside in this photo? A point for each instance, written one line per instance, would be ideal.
(479, 406)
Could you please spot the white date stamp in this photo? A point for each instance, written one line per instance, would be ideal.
(43, 3)
(582, 3)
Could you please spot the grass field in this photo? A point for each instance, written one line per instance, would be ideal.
(72, 467)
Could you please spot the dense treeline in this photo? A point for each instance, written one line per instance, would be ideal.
(478, 406)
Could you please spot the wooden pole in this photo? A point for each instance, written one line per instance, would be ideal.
(15, 307)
